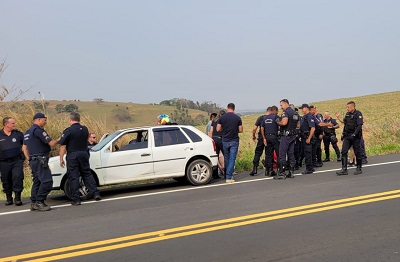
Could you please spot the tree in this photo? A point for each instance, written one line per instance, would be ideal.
(71, 108)
(60, 108)
(122, 114)
(98, 100)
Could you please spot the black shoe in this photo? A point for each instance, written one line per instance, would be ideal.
(76, 203)
(97, 197)
(364, 161)
(317, 165)
(296, 167)
(358, 171)
(33, 207)
(18, 202)
(306, 172)
(342, 172)
(9, 202)
(254, 171)
(326, 160)
(41, 206)
(339, 160)
(351, 164)
(280, 176)
(273, 173)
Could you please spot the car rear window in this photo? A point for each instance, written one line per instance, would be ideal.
(169, 136)
(192, 135)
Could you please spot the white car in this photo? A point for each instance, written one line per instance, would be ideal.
(143, 153)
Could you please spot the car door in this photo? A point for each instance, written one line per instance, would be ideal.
(128, 158)
(171, 151)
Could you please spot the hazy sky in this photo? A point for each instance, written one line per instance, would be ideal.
(252, 53)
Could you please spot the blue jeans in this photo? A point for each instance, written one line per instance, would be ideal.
(230, 152)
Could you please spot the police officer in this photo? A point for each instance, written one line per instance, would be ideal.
(11, 161)
(74, 141)
(330, 137)
(260, 142)
(307, 130)
(319, 124)
(38, 144)
(269, 132)
(352, 134)
(288, 125)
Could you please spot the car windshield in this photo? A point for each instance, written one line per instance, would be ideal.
(105, 141)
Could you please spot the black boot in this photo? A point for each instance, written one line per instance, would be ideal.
(9, 200)
(254, 171)
(17, 199)
(268, 171)
(291, 172)
(343, 171)
(281, 172)
(358, 169)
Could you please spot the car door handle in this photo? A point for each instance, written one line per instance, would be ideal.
(145, 154)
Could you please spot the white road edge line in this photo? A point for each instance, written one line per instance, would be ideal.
(185, 189)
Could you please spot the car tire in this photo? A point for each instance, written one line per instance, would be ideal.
(83, 191)
(199, 172)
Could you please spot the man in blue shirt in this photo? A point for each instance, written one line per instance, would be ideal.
(231, 125)
(269, 132)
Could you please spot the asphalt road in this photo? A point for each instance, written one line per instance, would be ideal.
(317, 217)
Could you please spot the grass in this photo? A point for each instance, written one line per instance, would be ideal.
(381, 129)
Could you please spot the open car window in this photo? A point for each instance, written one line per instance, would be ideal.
(137, 139)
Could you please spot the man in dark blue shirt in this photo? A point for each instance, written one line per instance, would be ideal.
(352, 135)
(231, 125)
(330, 137)
(74, 141)
(307, 130)
(269, 132)
(38, 144)
(11, 161)
(288, 131)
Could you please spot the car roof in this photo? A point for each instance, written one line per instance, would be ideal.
(155, 126)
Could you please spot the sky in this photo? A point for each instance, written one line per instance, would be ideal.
(252, 53)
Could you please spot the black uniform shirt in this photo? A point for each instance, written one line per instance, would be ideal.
(292, 122)
(352, 121)
(259, 123)
(215, 132)
(307, 123)
(318, 119)
(75, 138)
(10, 146)
(269, 124)
(37, 141)
(327, 130)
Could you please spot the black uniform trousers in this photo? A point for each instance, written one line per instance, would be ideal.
(286, 148)
(218, 144)
(327, 141)
(272, 145)
(78, 165)
(298, 150)
(12, 175)
(347, 143)
(317, 150)
(308, 150)
(42, 180)
(258, 151)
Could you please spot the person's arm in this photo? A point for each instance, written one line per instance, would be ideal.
(211, 131)
(53, 142)
(62, 153)
(312, 131)
(254, 132)
(25, 151)
(240, 129)
(263, 135)
(219, 128)
(338, 117)
(283, 121)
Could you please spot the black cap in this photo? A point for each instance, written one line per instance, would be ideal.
(39, 115)
(304, 105)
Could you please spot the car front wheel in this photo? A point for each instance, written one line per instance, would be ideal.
(199, 172)
(83, 191)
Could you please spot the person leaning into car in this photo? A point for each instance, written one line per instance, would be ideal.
(74, 142)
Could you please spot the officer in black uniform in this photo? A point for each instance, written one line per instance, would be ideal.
(307, 130)
(352, 134)
(330, 137)
(288, 131)
(298, 147)
(74, 141)
(38, 144)
(11, 161)
(319, 124)
(269, 132)
(260, 142)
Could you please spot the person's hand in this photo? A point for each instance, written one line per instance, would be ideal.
(62, 163)
(265, 141)
(320, 137)
(337, 114)
(308, 141)
(254, 139)
(330, 125)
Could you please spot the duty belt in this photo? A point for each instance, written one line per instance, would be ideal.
(11, 159)
(271, 134)
(288, 133)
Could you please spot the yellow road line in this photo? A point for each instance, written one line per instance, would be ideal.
(210, 226)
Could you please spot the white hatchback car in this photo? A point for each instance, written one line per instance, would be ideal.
(143, 153)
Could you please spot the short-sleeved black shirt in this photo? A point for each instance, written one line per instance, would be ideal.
(10, 146)
(75, 138)
(270, 125)
(307, 123)
(230, 123)
(37, 141)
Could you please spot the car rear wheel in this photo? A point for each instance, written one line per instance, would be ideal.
(199, 172)
(83, 191)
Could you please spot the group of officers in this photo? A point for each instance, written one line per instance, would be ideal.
(292, 138)
(35, 146)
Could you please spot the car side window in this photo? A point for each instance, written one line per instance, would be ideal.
(169, 136)
(131, 141)
(192, 135)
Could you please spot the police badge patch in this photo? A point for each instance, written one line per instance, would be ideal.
(14, 140)
(44, 134)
